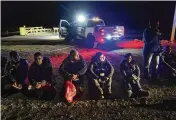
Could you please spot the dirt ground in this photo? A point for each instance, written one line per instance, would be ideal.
(161, 104)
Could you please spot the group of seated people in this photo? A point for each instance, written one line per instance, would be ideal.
(17, 76)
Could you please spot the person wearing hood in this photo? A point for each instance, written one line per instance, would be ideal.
(40, 74)
(151, 49)
(101, 70)
(15, 74)
(167, 66)
(131, 75)
(74, 68)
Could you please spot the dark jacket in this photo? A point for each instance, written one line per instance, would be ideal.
(96, 67)
(151, 41)
(17, 71)
(69, 66)
(37, 73)
(127, 69)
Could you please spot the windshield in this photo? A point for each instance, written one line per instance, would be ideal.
(91, 23)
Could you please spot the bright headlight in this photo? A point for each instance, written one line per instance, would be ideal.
(81, 18)
(108, 37)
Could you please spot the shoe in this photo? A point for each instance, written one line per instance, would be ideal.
(102, 97)
(110, 92)
(129, 93)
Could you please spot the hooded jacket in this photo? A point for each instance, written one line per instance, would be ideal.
(37, 73)
(17, 71)
(151, 41)
(127, 69)
(70, 66)
(96, 66)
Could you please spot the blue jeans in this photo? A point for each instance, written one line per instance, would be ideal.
(151, 59)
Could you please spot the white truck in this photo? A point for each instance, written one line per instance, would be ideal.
(93, 31)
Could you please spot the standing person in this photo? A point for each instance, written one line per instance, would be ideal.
(40, 76)
(131, 74)
(15, 74)
(73, 68)
(101, 71)
(151, 49)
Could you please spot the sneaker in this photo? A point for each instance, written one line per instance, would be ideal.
(102, 96)
(129, 93)
(110, 92)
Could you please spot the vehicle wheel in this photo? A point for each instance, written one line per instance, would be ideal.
(69, 39)
(90, 41)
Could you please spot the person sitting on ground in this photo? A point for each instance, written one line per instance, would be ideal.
(40, 75)
(101, 72)
(15, 74)
(131, 74)
(73, 68)
(167, 66)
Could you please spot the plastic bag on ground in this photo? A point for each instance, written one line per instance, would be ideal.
(70, 91)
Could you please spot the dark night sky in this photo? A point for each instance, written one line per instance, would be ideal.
(133, 15)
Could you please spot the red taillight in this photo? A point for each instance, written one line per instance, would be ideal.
(102, 33)
(101, 30)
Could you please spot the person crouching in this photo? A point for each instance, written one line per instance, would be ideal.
(101, 72)
(15, 74)
(131, 74)
(73, 68)
(40, 76)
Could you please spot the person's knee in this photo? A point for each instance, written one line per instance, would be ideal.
(96, 83)
(146, 66)
(110, 82)
(61, 73)
(82, 77)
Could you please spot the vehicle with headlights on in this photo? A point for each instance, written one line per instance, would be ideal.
(93, 31)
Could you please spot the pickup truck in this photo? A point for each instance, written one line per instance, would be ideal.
(93, 31)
